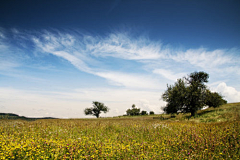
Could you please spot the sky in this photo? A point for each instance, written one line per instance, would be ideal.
(58, 56)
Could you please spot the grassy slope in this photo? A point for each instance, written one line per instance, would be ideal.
(227, 112)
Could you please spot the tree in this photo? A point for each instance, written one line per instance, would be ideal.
(96, 109)
(151, 113)
(214, 99)
(133, 106)
(175, 96)
(196, 92)
(144, 113)
(134, 111)
(188, 94)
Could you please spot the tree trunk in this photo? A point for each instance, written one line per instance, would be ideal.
(193, 113)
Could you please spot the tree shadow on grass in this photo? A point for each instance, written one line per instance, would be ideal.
(204, 112)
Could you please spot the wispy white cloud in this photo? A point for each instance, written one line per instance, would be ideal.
(130, 80)
(78, 63)
(2, 36)
(16, 74)
(8, 58)
(5, 65)
(123, 46)
(203, 58)
(85, 50)
(169, 74)
(79, 53)
(62, 46)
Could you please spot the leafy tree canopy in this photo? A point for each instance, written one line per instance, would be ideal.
(96, 110)
(134, 111)
(214, 99)
(144, 113)
(190, 94)
(151, 113)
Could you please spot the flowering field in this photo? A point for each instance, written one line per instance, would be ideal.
(118, 139)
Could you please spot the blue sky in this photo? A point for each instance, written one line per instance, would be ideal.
(56, 57)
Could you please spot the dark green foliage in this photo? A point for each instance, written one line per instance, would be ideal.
(96, 109)
(195, 99)
(144, 113)
(151, 113)
(213, 99)
(175, 96)
(134, 111)
(190, 94)
(133, 106)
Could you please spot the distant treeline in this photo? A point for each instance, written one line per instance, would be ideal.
(15, 116)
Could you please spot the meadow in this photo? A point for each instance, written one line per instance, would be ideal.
(126, 137)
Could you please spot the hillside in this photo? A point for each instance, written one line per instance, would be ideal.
(227, 112)
(15, 116)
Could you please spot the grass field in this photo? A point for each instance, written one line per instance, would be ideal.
(213, 134)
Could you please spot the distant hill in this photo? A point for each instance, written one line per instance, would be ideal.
(15, 116)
